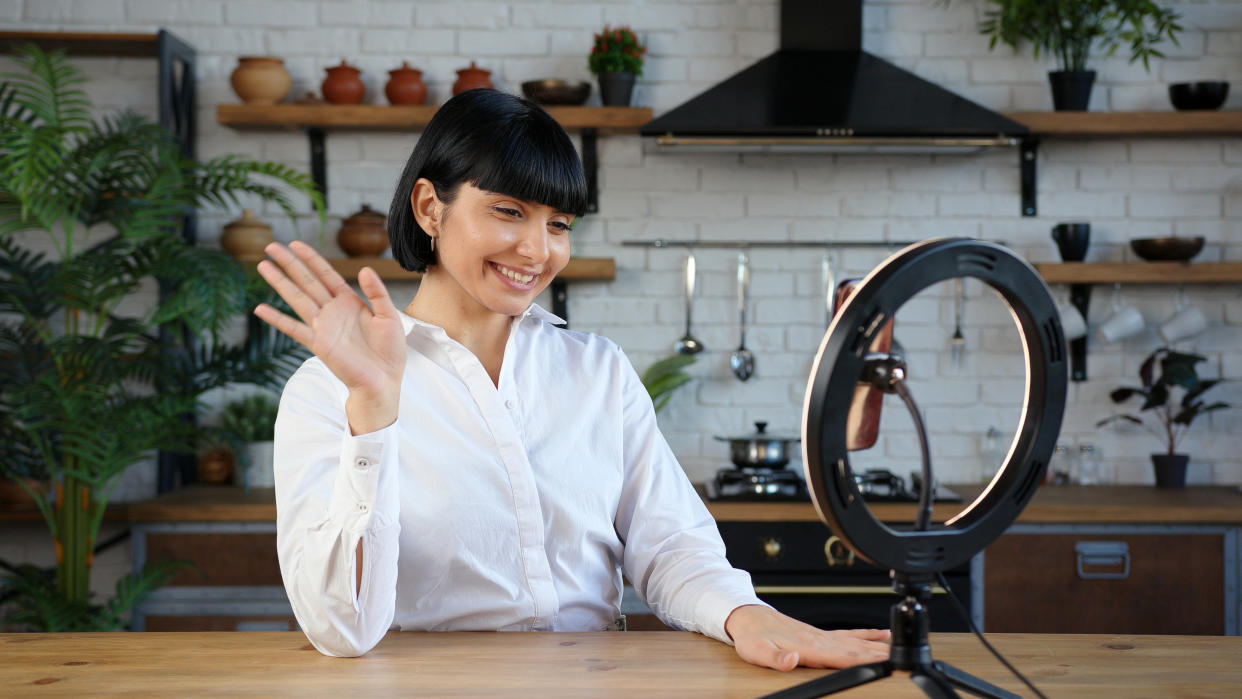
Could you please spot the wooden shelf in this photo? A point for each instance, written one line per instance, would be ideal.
(85, 44)
(389, 117)
(1124, 124)
(1141, 272)
(580, 268)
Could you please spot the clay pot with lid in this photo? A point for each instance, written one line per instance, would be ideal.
(343, 85)
(471, 78)
(261, 80)
(363, 234)
(246, 237)
(405, 85)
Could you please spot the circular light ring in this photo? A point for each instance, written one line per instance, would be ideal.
(840, 363)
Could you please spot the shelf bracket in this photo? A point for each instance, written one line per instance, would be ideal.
(1080, 297)
(560, 300)
(1028, 154)
(318, 161)
(590, 167)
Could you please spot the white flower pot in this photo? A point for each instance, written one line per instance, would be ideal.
(259, 470)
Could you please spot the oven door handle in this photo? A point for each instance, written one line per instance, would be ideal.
(833, 590)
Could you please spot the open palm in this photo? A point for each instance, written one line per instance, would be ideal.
(364, 347)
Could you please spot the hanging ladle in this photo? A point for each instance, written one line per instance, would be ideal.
(957, 343)
(742, 361)
(688, 344)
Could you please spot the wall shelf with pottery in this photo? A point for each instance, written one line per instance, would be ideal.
(318, 119)
(1141, 272)
(1128, 124)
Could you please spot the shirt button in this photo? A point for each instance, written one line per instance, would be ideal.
(362, 507)
(509, 404)
(362, 464)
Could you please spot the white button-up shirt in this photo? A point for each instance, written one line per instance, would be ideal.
(507, 507)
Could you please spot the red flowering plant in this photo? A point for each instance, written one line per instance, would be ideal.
(617, 51)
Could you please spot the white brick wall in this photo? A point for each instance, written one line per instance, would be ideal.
(1126, 188)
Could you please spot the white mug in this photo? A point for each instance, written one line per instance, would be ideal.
(1072, 323)
(1124, 322)
(1186, 321)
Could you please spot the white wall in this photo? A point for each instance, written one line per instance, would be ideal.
(1125, 188)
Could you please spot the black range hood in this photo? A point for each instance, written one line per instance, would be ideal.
(822, 91)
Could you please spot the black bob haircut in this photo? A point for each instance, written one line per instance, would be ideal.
(497, 142)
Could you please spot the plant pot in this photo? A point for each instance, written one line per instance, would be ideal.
(1071, 89)
(13, 496)
(1170, 469)
(260, 473)
(615, 89)
(261, 80)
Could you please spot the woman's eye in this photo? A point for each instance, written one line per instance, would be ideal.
(561, 226)
(507, 211)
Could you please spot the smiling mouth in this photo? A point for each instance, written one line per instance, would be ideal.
(517, 278)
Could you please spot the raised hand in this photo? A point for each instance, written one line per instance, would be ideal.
(364, 347)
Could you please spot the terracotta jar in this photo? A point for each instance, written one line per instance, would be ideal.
(261, 80)
(246, 237)
(363, 234)
(216, 466)
(405, 86)
(343, 85)
(471, 78)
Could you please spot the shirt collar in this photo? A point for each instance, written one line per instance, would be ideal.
(534, 310)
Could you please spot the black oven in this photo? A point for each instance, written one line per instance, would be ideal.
(803, 570)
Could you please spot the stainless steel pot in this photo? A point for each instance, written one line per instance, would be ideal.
(759, 450)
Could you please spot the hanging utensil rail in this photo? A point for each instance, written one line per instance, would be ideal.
(661, 243)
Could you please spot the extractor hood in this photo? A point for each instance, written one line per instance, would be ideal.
(821, 91)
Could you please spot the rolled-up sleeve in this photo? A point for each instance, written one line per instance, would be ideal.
(334, 490)
(673, 556)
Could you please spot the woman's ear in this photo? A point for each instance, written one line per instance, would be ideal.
(428, 210)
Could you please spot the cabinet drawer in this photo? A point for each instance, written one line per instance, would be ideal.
(247, 559)
(1105, 583)
(204, 622)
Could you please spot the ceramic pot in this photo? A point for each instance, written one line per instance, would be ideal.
(343, 85)
(471, 78)
(405, 85)
(215, 466)
(246, 237)
(615, 89)
(1170, 469)
(14, 496)
(260, 472)
(1071, 89)
(363, 234)
(261, 80)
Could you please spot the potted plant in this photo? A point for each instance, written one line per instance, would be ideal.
(616, 59)
(1071, 30)
(247, 425)
(1172, 417)
(92, 382)
(665, 376)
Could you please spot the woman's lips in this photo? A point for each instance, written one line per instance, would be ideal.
(517, 279)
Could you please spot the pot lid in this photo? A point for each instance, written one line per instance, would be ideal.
(760, 435)
(366, 214)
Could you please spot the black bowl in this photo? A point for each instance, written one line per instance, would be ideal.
(1171, 248)
(556, 91)
(1200, 95)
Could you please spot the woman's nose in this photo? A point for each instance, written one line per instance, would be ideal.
(533, 244)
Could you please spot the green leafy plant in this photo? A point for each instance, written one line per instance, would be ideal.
(1071, 30)
(89, 387)
(250, 419)
(1172, 417)
(665, 376)
(617, 51)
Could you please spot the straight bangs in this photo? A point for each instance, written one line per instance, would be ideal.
(532, 159)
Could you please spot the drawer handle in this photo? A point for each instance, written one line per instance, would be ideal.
(1103, 553)
(772, 547)
(833, 558)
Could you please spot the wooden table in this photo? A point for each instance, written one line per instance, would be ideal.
(632, 664)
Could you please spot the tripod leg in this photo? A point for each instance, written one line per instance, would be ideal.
(836, 682)
(972, 684)
(933, 684)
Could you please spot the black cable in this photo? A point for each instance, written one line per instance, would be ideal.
(961, 609)
(925, 487)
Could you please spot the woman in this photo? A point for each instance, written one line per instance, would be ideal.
(464, 464)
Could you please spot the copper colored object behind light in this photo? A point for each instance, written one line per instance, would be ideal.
(863, 423)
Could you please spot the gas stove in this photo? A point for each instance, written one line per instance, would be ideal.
(784, 485)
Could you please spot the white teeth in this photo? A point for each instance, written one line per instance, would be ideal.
(519, 278)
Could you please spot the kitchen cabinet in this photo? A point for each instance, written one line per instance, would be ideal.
(1106, 581)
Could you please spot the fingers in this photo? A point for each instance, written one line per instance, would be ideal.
(869, 634)
(298, 331)
(296, 269)
(326, 275)
(768, 654)
(302, 304)
(377, 294)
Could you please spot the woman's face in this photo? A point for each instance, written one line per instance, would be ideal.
(502, 251)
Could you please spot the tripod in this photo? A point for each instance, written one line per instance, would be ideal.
(910, 652)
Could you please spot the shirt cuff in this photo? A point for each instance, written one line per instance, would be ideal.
(365, 492)
(715, 606)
